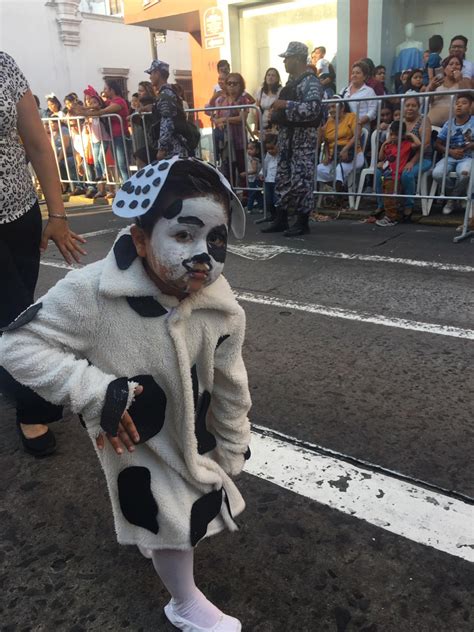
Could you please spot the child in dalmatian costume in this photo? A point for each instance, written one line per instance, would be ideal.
(145, 345)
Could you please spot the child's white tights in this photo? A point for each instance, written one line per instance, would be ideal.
(176, 571)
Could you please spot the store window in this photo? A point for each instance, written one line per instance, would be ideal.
(266, 29)
(102, 7)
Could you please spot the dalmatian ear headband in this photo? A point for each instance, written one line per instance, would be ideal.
(138, 194)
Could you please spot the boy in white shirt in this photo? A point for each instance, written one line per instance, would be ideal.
(268, 174)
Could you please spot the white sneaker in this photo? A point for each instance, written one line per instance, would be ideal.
(225, 623)
(448, 207)
(385, 221)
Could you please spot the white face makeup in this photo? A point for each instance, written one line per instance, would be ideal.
(189, 250)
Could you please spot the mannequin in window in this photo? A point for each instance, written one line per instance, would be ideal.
(408, 54)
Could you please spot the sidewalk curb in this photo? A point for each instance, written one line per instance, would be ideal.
(417, 218)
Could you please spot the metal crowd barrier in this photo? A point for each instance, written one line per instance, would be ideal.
(63, 133)
(423, 196)
(226, 157)
(218, 146)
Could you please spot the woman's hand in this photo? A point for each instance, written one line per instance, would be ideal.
(279, 104)
(408, 167)
(127, 433)
(66, 241)
(344, 154)
(457, 75)
(161, 154)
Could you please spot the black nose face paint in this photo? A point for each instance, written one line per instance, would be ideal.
(202, 258)
(217, 243)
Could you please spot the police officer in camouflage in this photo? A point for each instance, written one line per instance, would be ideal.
(297, 112)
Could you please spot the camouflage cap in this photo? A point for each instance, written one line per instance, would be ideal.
(295, 48)
(156, 64)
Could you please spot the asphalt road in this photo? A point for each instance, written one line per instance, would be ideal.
(324, 369)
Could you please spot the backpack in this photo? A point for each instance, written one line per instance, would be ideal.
(182, 126)
(289, 93)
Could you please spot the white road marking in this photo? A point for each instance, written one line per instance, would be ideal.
(104, 231)
(261, 251)
(397, 506)
(402, 508)
(333, 312)
(347, 314)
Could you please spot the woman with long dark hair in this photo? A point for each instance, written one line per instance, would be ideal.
(268, 94)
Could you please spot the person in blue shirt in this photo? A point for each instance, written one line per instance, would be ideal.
(435, 44)
(461, 145)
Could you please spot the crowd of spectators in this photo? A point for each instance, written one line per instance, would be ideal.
(101, 150)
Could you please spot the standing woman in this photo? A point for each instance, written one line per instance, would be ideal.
(21, 236)
(267, 95)
(233, 122)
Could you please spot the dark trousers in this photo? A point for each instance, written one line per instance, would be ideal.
(270, 198)
(255, 195)
(19, 268)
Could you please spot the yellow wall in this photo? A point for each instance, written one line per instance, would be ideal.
(204, 61)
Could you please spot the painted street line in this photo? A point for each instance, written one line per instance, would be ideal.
(104, 231)
(347, 314)
(407, 510)
(263, 252)
(334, 312)
(44, 213)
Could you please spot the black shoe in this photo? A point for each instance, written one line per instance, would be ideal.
(300, 227)
(279, 224)
(43, 445)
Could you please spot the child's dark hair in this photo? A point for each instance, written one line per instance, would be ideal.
(187, 179)
(271, 139)
(256, 144)
(435, 44)
(395, 127)
(466, 95)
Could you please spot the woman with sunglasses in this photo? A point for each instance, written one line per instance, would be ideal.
(233, 124)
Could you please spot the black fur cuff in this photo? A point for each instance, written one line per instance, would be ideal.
(115, 403)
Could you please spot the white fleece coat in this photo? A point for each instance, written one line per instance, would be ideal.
(102, 323)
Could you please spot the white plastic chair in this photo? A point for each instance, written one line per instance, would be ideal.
(364, 137)
(370, 170)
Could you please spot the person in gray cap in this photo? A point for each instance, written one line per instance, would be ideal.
(297, 112)
(168, 116)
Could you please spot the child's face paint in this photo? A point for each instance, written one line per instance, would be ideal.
(188, 251)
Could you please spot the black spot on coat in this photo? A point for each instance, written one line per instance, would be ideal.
(24, 318)
(203, 512)
(206, 440)
(125, 252)
(136, 499)
(221, 340)
(146, 306)
(148, 410)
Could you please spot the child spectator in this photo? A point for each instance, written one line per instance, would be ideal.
(433, 64)
(254, 165)
(386, 173)
(100, 139)
(268, 174)
(403, 86)
(379, 75)
(386, 118)
(146, 345)
(134, 103)
(461, 145)
(414, 82)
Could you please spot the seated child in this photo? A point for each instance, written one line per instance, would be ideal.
(254, 165)
(268, 173)
(386, 173)
(461, 146)
(146, 346)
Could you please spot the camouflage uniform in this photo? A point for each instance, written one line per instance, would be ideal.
(294, 183)
(166, 110)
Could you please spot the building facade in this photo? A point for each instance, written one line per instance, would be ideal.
(62, 46)
(251, 34)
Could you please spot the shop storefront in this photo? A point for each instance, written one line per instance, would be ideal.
(250, 34)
